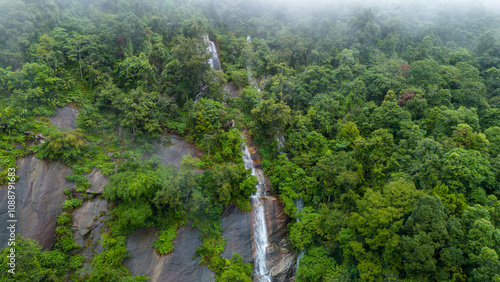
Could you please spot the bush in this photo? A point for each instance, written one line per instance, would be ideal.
(76, 177)
(63, 145)
(72, 204)
(164, 244)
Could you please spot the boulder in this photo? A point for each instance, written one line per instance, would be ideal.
(39, 196)
(178, 265)
(231, 90)
(65, 117)
(172, 149)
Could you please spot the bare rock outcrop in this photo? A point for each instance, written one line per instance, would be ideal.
(86, 219)
(237, 230)
(39, 195)
(281, 257)
(98, 181)
(178, 265)
(65, 117)
(172, 150)
(231, 90)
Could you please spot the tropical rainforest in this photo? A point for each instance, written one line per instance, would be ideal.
(382, 119)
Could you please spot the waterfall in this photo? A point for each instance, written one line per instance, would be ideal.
(281, 148)
(214, 60)
(259, 221)
(299, 204)
(214, 64)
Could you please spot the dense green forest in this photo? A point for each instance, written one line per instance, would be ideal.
(390, 116)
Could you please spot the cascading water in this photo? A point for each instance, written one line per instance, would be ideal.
(214, 60)
(299, 204)
(214, 64)
(259, 221)
(281, 143)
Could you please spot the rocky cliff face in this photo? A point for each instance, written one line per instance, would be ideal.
(65, 117)
(98, 181)
(179, 265)
(39, 191)
(86, 221)
(281, 258)
(40, 195)
(172, 149)
(237, 230)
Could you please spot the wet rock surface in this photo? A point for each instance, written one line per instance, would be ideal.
(39, 196)
(65, 117)
(237, 230)
(281, 257)
(282, 270)
(178, 265)
(172, 149)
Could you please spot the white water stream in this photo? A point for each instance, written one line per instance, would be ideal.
(214, 64)
(259, 222)
(214, 60)
(299, 204)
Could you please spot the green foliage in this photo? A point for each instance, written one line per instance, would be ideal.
(182, 74)
(64, 232)
(31, 263)
(76, 177)
(230, 183)
(348, 132)
(454, 204)
(270, 119)
(493, 135)
(62, 145)
(315, 265)
(107, 266)
(210, 251)
(129, 217)
(164, 244)
(72, 204)
(75, 262)
(374, 154)
(379, 218)
(467, 172)
(464, 137)
(236, 270)
(427, 234)
(359, 146)
(303, 233)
